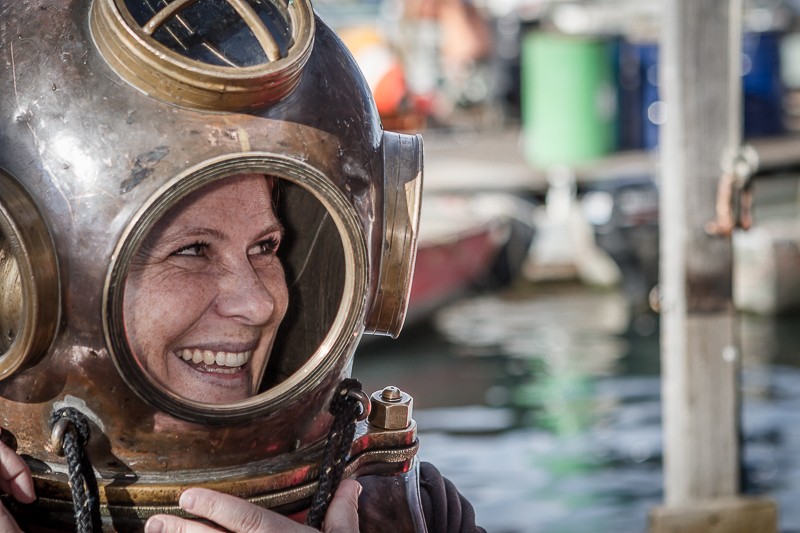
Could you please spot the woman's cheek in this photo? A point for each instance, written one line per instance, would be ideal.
(169, 302)
(184, 285)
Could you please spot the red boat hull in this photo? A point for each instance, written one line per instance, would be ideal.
(448, 268)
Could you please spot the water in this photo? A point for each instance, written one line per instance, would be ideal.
(542, 405)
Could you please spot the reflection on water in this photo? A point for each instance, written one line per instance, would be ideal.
(556, 344)
(543, 406)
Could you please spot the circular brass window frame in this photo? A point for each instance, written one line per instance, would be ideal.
(165, 74)
(349, 318)
(32, 249)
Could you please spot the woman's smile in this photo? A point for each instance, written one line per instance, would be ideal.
(211, 361)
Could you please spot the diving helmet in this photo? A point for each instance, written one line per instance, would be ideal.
(231, 141)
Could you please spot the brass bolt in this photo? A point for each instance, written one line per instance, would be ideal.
(390, 409)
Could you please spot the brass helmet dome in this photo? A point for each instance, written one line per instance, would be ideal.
(113, 116)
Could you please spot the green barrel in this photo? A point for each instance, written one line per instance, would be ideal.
(568, 98)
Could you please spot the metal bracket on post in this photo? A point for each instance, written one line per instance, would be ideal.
(734, 192)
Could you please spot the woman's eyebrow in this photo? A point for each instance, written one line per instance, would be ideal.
(277, 226)
(196, 231)
(167, 238)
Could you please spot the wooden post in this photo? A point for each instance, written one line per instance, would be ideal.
(699, 354)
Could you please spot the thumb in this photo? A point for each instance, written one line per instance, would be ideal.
(342, 515)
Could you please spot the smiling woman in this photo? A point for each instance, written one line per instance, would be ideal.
(193, 277)
(206, 292)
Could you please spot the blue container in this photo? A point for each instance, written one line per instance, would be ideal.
(629, 96)
(651, 104)
(762, 90)
(637, 77)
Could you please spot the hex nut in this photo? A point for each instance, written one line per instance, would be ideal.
(393, 413)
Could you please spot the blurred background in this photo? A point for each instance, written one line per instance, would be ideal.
(531, 348)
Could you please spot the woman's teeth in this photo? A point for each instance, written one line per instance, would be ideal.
(232, 360)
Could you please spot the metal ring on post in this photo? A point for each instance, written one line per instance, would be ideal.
(363, 400)
(60, 428)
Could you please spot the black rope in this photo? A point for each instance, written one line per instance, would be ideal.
(82, 482)
(345, 409)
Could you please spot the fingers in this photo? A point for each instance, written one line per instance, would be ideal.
(173, 524)
(342, 515)
(228, 511)
(7, 523)
(241, 516)
(15, 476)
(233, 513)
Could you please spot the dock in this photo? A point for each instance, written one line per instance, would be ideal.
(493, 160)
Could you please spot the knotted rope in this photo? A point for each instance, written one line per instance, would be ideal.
(347, 407)
(71, 431)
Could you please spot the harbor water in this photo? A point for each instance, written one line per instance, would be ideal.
(542, 404)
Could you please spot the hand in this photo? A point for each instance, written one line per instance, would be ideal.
(241, 516)
(15, 479)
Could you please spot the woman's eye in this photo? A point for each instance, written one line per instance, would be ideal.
(197, 249)
(266, 247)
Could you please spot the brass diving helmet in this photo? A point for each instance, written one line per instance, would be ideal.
(117, 117)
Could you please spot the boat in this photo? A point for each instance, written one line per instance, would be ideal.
(468, 242)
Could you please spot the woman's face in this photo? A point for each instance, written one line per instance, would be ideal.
(206, 292)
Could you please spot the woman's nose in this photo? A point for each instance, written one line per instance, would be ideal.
(244, 295)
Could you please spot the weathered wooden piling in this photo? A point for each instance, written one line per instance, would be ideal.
(699, 80)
